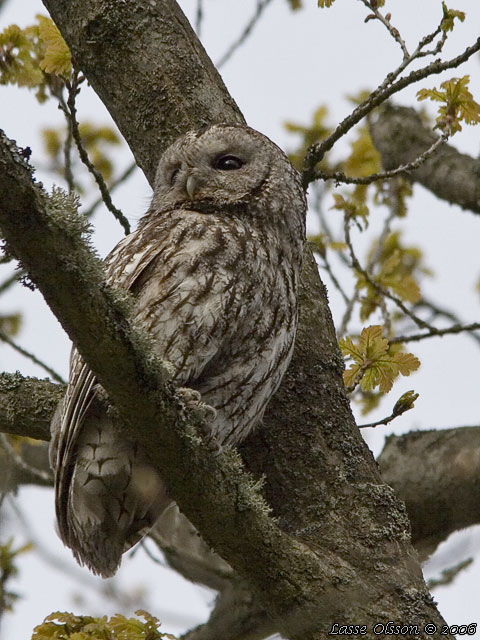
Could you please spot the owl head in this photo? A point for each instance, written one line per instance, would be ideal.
(225, 167)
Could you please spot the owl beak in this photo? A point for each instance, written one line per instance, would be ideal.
(191, 186)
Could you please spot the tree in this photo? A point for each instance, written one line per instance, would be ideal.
(337, 549)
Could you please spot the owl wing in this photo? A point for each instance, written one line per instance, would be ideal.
(124, 265)
(162, 281)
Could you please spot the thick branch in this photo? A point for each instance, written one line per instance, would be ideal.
(414, 464)
(291, 579)
(27, 405)
(437, 474)
(400, 136)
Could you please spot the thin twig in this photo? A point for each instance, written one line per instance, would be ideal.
(370, 265)
(433, 332)
(383, 421)
(317, 151)
(126, 174)
(340, 177)
(199, 18)
(21, 464)
(6, 284)
(445, 313)
(72, 110)
(156, 559)
(449, 575)
(418, 53)
(391, 29)
(56, 376)
(261, 6)
(67, 154)
(328, 268)
(381, 290)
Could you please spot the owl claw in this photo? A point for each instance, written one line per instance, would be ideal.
(193, 400)
(189, 397)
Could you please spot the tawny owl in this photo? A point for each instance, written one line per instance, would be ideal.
(213, 268)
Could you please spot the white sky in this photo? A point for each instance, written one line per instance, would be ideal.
(290, 65)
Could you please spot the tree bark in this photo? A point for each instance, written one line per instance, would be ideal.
(339, 548)
(437, 474)
(400, 136)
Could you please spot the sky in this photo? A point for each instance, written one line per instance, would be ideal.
(291, 64)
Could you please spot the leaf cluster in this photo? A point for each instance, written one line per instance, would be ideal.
(310, 134)
(398, 270)
(67, 626)
(458, 104)
(30, 57)
(376, 363)
(97, 140)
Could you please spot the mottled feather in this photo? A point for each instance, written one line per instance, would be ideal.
(213, 268)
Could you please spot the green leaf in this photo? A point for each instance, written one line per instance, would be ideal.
(458, 104)
(375, 362)
(57, 58)
(449, 16)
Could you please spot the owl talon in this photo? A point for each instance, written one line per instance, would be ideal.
(193, 400)
(190, 398)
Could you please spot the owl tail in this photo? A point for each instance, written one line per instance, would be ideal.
(115, 496)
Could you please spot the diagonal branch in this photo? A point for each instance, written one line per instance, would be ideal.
(400, 136)
(377, 97)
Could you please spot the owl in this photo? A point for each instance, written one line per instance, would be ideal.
(213, 269)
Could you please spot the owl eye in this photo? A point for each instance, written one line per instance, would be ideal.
(173, 176)
(227, 163)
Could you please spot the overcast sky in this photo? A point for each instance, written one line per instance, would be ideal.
(292, 63)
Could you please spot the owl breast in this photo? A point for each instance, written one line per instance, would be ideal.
(219, 299)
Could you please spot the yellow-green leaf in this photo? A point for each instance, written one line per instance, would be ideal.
(406, 363)
(364, 159)
(375, 362)
(449, 16)
(458, 104)
(57, 58)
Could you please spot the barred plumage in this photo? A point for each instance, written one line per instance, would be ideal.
(214, 268)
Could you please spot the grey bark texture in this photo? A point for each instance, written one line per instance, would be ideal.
(339, 548)
(401, 136)
(437, 474)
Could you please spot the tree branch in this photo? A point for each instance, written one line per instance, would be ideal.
(27, 405)
(437, 474)
(388, 88)
(70, 279)
(400, 136)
